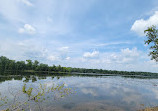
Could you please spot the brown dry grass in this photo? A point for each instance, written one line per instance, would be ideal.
(150, 109)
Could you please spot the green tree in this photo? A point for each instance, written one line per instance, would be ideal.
(35, 64)
(4, 61)
(12, 65)
(29, 64)
(20, 65)
(152, 40)
(42, 67)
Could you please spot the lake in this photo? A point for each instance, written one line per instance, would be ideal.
(91, 93)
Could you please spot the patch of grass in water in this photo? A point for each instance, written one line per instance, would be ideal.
(150, 109)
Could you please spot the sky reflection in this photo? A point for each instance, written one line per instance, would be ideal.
(102, 93)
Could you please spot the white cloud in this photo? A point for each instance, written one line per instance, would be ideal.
(22, 50)
(90, 55)
(151, 63)
(56, 18)
(27, 2)
(127, 59)
(140, 25)
(64, 49)
(53, 58)
(113, 43)
(125, 56)
(51, 18)
(67, 58)
(130, 53)
(27, 29)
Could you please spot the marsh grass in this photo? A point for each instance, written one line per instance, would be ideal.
(150, 109)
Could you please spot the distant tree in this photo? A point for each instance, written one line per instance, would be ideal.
(42, 67)
(59, 68)
(152, 40)
(20, 65)
(29, 64)
(4, 61)
(8, 66)
(35, 64)
(12, 65)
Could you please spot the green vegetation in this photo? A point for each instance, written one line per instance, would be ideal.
(33, 95)
(152, 39)
(150, 109)
(8, 66)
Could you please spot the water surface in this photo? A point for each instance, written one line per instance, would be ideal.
(92, 93)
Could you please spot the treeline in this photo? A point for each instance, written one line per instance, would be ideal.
(7, 65)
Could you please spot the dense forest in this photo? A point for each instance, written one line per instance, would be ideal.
(8, 66)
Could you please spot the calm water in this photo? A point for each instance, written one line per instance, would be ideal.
(111, 93)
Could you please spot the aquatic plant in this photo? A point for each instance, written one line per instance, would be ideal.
(34, 95)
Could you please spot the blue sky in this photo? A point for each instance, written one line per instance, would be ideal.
(105, 34)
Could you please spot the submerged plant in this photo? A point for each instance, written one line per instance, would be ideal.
(3, 100)
(34, 95)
